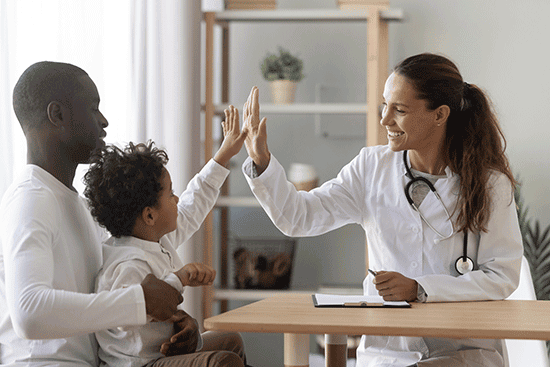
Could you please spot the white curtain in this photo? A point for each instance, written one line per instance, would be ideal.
(144, 57)
(92, 35)
(166, 100)
(6, 124)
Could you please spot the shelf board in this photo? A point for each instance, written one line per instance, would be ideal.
(238, 201)
(305, 15)
(256, 294)
(304, 108)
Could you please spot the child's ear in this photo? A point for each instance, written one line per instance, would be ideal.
(149, 216)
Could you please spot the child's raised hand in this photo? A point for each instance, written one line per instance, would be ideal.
(196, 274)
(233, 137)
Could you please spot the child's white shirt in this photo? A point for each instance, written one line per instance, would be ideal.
(128, 260)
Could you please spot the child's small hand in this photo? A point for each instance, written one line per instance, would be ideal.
(196, 274)
(233, 136)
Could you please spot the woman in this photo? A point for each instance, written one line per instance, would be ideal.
(457, 240)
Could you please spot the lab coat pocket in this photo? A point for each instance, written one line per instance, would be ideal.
(442, 254)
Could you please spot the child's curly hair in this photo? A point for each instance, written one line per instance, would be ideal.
(121, 183)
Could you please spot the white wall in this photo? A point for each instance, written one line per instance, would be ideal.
(500, 45)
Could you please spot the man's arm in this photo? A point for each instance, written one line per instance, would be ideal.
(161, 299)
(44, 298)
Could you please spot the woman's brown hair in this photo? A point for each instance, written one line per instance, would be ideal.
(474, 144)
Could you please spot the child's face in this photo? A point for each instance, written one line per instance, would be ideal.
(167, 206)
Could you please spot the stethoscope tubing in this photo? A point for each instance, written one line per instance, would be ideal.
(463, 264)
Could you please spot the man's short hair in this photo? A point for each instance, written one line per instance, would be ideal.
(42, 83)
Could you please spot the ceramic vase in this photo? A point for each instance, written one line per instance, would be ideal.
(283, 91)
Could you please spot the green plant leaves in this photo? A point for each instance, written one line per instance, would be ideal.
(283, 66)
(536, 248)
(537, 251)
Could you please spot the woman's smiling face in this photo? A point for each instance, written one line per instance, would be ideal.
(408, 121)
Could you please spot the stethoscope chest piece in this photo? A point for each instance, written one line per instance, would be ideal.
(464, 266)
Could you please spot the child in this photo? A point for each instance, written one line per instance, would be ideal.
(130, 194)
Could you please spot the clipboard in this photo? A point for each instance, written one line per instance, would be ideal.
(335, 300)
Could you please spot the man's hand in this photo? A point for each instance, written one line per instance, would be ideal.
(233, 137)
(185, 338)
(393, 286)
(196, 274)
(256, 137)
(161, 299)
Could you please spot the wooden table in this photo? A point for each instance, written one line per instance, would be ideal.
(296, 317)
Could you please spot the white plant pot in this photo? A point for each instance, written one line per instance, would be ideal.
(303, 176)
(283, 91)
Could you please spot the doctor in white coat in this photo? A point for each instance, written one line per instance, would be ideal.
(436, 204)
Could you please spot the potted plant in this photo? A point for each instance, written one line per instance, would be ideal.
(536, 245)
(283, 71)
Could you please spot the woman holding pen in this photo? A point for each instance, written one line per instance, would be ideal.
(436, 204)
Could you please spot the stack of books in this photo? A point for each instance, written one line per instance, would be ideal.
(358, 4)
(251, 4)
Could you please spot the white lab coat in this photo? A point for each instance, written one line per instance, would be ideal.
(369, 191)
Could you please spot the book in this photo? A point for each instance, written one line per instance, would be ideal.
(338, 300)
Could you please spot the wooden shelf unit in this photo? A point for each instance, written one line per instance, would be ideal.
(376, 20)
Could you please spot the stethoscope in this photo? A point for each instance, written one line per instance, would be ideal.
(464, 264)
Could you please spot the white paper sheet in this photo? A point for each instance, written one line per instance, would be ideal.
(335, 300)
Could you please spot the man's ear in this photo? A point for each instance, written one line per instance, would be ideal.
(149, 216)
(56, 114)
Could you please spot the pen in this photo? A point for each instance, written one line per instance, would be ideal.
(372, 272)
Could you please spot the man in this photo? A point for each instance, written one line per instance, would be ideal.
(51, 247)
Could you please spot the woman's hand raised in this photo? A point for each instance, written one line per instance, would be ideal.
(256, 138)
